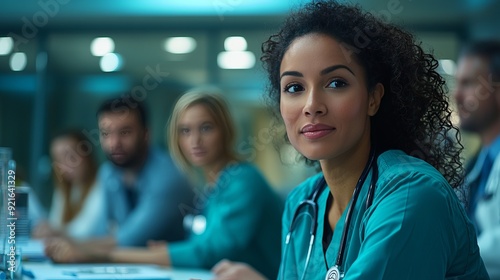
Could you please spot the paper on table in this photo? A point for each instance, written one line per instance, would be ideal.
(189, 274)
(95, 272)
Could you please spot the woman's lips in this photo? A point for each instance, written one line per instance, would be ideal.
(316, 131)
(198, 153)
(118, 155)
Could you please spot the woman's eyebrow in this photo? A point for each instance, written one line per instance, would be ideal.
(291, 73)
(323, 72)
(335, 67)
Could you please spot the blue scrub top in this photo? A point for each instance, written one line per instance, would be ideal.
(243, 224)
(416, 228)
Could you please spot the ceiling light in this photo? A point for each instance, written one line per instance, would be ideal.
(448, 66)
(236, 60)
(180, 45)
(6, 44)
(235, 43)
(18, 61)
(111, 62)
(101, 46)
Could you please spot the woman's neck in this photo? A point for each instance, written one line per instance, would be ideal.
(342, 174)
(212, 171)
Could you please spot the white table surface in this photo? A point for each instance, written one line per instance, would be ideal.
(48, 271)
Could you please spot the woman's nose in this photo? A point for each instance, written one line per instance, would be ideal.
(314, 103)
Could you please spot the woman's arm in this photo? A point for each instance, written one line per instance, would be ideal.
(152, 255)
(65, 251)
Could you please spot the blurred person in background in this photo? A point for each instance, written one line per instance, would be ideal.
(241, 213)
(477, 95)
(77, 204)
(143, 189)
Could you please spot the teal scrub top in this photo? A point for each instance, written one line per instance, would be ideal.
(416, 228)
(243, 223)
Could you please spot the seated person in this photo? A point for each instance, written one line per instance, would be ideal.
(477, 95)
(77, 202)
(242, 213)
(142, 186)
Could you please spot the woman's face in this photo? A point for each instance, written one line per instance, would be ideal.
(200, 138)
(66, 159)
(324, 98)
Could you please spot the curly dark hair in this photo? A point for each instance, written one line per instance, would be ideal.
(414, 114)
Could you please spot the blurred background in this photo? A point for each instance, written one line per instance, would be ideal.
(60, 58)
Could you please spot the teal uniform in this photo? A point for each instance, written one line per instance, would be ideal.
(416, 228)
(243, 223)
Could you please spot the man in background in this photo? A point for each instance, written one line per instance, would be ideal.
(143, 189)
(477, 95)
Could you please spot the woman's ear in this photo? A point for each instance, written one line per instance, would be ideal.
(375, 99)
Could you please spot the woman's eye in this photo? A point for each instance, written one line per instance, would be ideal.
(184, 130)
(206, 128)
(337, 84)
(293, 88)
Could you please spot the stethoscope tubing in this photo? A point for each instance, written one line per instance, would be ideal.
(312, 202)
(357, 190)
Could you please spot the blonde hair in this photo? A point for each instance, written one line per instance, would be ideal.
(217, 106)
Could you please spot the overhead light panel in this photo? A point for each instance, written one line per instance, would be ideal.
(111, 62)
(180, 45)
(101, 46)
(6, 44)
(235, 55)
(236, 60)
(448, 66)
(235, 43)
(18, 61)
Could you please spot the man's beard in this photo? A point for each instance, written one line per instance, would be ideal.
(131, 161)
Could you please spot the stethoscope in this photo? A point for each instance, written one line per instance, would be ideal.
(335, 272)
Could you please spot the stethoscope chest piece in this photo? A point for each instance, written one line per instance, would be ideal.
(333, 273)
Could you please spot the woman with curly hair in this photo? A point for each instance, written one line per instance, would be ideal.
(362, 99)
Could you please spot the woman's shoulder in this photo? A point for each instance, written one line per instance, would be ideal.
(397, 170)
(240, 175)
(242, 170)
(398, 163)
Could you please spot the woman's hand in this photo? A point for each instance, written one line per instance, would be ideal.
(156, 244)
(227, 270)
(44, 230)
(62, 250)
